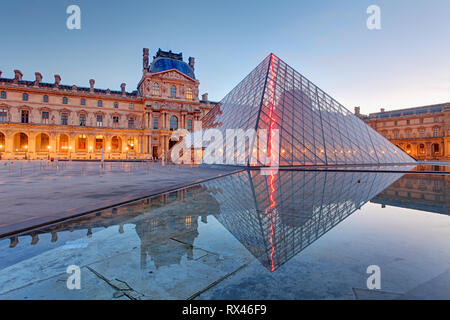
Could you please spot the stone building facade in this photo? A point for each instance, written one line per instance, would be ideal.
(422, 132)
(42, 120)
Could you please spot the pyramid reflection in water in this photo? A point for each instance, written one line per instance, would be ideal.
(313, 128)
(275, 217)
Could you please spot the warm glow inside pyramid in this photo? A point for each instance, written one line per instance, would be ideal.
(312, 128)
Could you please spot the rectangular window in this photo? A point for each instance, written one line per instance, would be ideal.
(83, 101)
(3, 115)
(115, 120)
(64, 100)
(3, 95)
(99, 120)
(24, 117)
(131, 122)
(189, 124)
(422, 133)
(82, 120)
(116, 105)
(45, 117)
(45, 98)
(155, 123)
(131, 106)
(100, 103)
(25, 97)
(64, 118)
(436, 132)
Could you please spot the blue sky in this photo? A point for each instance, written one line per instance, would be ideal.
(405, 64)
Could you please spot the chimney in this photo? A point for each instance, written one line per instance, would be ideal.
(122, 86)
(57, 80)
(145, 59)
(382, 110)
(17, 75)
(191, 62)
(38, 78)
(205, 97)
(357, 111)
(91, 83)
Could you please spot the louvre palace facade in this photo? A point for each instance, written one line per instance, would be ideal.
(40, 120)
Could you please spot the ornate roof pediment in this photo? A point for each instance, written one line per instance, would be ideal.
(172, 74)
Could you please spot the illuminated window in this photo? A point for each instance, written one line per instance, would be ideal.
(421, 148)
(115, 143)
(189, 94)
(63, 143)
(155, 89)
(99, 143)
(131, 143)
(173, 91)
(173, 123)
(82, 142)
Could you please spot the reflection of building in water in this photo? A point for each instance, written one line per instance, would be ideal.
(275, 217)
(423, 192)
(166, 225)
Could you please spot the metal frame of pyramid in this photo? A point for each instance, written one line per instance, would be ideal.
(314, 129)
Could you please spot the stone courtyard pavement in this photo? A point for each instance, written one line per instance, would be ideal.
(33, 193)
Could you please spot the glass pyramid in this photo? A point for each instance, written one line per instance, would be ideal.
(312, 128)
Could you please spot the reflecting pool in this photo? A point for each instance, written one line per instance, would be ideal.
(288, 235)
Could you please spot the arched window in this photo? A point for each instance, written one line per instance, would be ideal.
(421, 148)
(189, 94)
(173, 123)
(63, 143)
(116, 144)
(173, 91)
(2, 141)
(155, 89)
